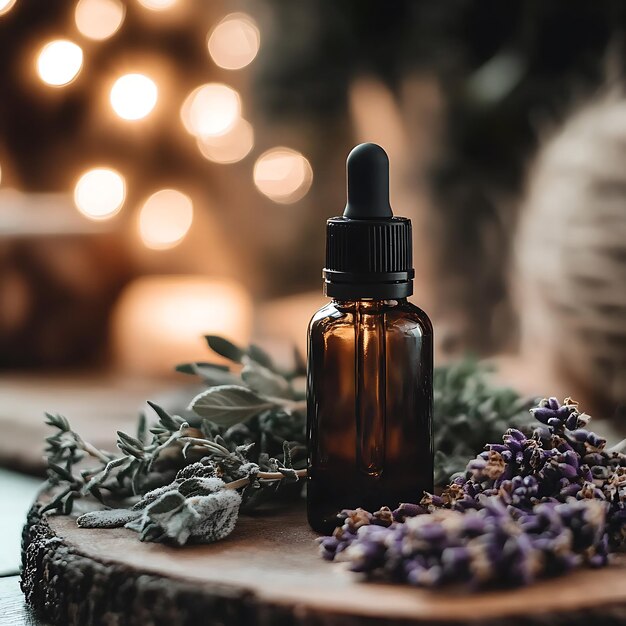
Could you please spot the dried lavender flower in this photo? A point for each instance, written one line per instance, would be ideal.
(526, 508)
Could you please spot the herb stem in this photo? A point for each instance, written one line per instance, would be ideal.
(242, 482)
(92, 450)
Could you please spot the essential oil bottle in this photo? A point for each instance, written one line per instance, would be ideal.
(370, 359)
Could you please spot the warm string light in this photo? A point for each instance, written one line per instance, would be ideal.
(6, 6)
(100, 193)
(231, 147)
(157, 5)
(59, 62)
(283, 175)
(211, 109)
(234, 42)
(99, 19)
(211, 113)
(133, 96)
(165, 218)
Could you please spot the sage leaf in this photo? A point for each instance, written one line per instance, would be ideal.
(262, 380)
(227, 405)
(170, 422)
(190, 368)
(225, 348)
(210, 373)
(260, 356)
(108, 518)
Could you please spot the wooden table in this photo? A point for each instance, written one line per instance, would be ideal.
(13, 610)
(97, 404)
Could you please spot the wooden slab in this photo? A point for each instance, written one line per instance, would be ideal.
(269, 572)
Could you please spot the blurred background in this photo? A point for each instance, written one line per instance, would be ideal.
(167, 167)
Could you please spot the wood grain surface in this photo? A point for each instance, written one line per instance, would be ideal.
(269, 572)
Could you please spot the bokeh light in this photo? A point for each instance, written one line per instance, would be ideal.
(59, 62)
(133, 96)
(230, 147)
(211, 109)
(165, 219)
(100, 193)
(99, 19)
(283, 175)
(6, 6)
(158, 5)
(234, 42)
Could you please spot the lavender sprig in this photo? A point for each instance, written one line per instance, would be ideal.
(526, 508)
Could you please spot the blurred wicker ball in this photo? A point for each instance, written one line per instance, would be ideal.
(571, 251)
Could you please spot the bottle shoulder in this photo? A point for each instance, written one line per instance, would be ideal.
(399, 314)
(419, 315)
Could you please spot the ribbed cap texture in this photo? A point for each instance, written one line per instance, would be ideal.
(368, 246)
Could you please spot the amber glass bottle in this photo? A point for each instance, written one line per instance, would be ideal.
(370, 356)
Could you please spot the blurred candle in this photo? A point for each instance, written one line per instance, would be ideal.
(160, 321)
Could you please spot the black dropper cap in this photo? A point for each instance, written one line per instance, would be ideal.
(368, 250)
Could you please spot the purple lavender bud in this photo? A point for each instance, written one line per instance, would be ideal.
(563, 412)
(598, 560)
(432, 533)
(571, 423)
(328, 547)
(595, 441)
(569, 490)
(567, 470)
(542, 414)
(580, 435)
(594, 458)
(553, 403)
(365, 555)
(571, 458)
(516, 434)
(406, 510)
(530, 482)
(455, 561)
